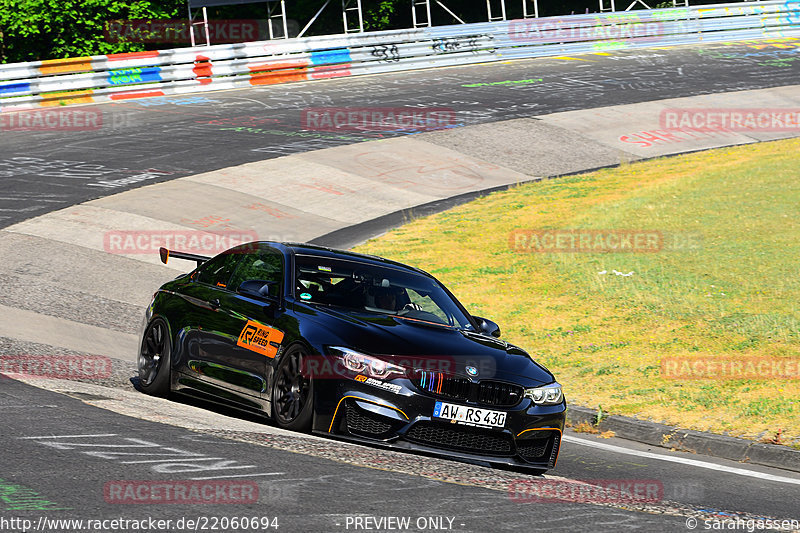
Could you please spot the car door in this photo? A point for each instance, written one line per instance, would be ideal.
(205, 323)
(243, 341)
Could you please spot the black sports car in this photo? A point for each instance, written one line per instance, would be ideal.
(351, 345)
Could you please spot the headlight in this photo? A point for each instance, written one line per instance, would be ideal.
(367, 364)
(547, 395)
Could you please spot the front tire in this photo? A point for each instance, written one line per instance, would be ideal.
(292, 393)
(155, 360)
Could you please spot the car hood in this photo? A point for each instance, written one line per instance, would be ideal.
(419, 344)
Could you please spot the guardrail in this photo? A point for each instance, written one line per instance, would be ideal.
(190, 70)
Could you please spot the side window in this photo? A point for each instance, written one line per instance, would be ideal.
(217, 271)
(265, 264)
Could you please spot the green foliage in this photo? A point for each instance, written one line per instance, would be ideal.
(378, 15)
(33, 30)
(600, 415)
(51, 29)
(381, 16)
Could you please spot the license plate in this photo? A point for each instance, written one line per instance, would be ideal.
(469, 415)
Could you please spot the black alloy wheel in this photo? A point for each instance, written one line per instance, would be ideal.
(154, 359)
(292, 393)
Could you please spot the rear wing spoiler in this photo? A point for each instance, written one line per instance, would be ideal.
(166, 254)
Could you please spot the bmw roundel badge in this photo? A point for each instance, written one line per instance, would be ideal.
(472, 371)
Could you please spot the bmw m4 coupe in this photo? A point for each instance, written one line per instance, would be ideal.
(354, 346)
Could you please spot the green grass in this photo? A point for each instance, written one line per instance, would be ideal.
(726, 283)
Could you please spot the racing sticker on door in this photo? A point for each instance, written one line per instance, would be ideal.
(261, 339)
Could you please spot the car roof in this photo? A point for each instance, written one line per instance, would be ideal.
(333, 253)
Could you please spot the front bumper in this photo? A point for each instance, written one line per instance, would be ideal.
(530, 438)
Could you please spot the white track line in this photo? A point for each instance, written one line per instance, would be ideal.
(69, 436)
(682, 460)
(240, 475)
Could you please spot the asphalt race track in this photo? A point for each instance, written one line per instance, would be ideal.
(164, 138)
(65, 443)
(315, 484)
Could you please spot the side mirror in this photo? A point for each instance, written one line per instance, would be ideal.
(258, 288)
(487, 327)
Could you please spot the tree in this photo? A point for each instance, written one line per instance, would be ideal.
(33, 30)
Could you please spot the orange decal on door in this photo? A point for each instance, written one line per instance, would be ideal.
(261, 339)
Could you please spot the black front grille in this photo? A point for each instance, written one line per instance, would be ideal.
(533, 448)
(443, 385)
(457, 388)
(485, 392)
(499, 394)
(460, 438)
(367, 424)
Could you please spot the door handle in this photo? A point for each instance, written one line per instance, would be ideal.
(215, 303)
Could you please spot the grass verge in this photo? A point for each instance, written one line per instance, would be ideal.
(725, 285)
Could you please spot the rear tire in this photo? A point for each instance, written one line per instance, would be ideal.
(154, 360)
(292, 393)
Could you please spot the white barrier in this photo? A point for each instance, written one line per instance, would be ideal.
(187, 70)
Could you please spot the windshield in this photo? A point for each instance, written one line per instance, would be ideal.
(375, 289)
